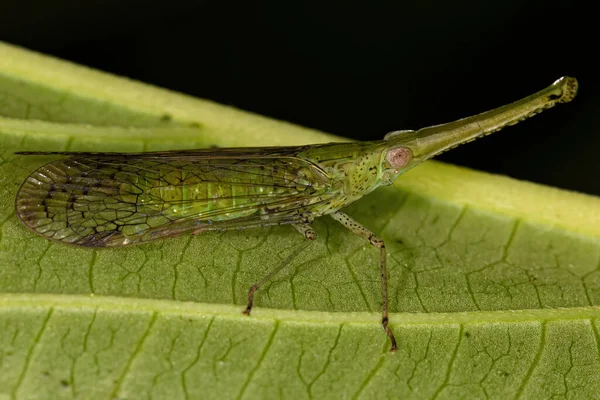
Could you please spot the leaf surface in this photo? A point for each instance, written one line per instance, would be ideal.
(494, 283)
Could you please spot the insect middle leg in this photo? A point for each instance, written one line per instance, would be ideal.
(363, 232)
(310, 235)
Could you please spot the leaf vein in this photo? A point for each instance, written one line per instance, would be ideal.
(369, 378)
(260, 361)
(134, 354)
(450, 363)
(355, 279)
(91, 270)
(195, 360)
(327, 361)
(535, 361)
(175, 270)
(29, 356)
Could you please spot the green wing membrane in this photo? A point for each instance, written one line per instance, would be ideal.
(118, 199)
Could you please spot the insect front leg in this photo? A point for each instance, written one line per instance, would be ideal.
(363, 232)
(308, 234)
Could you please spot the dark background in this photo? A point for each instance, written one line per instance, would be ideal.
(354, 69)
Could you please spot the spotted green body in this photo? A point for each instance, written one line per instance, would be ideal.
(118, 199)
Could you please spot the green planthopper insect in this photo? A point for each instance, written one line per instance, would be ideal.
(120, 199)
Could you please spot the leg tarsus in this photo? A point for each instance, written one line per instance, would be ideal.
(250, 300)
(389, 333)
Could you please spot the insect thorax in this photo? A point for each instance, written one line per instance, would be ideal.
(354, 167)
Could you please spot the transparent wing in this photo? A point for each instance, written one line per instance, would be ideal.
(107, 200)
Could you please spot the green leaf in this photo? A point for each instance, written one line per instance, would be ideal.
(494, 283)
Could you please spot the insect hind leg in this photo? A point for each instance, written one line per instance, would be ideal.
(310, 235)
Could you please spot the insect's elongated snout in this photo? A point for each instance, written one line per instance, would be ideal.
(431, 141)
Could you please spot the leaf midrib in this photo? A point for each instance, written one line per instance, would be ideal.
(230, 311)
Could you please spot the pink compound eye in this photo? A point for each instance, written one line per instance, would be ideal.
(399, 157)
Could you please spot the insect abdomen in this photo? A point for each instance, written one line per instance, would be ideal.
(218, 194)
